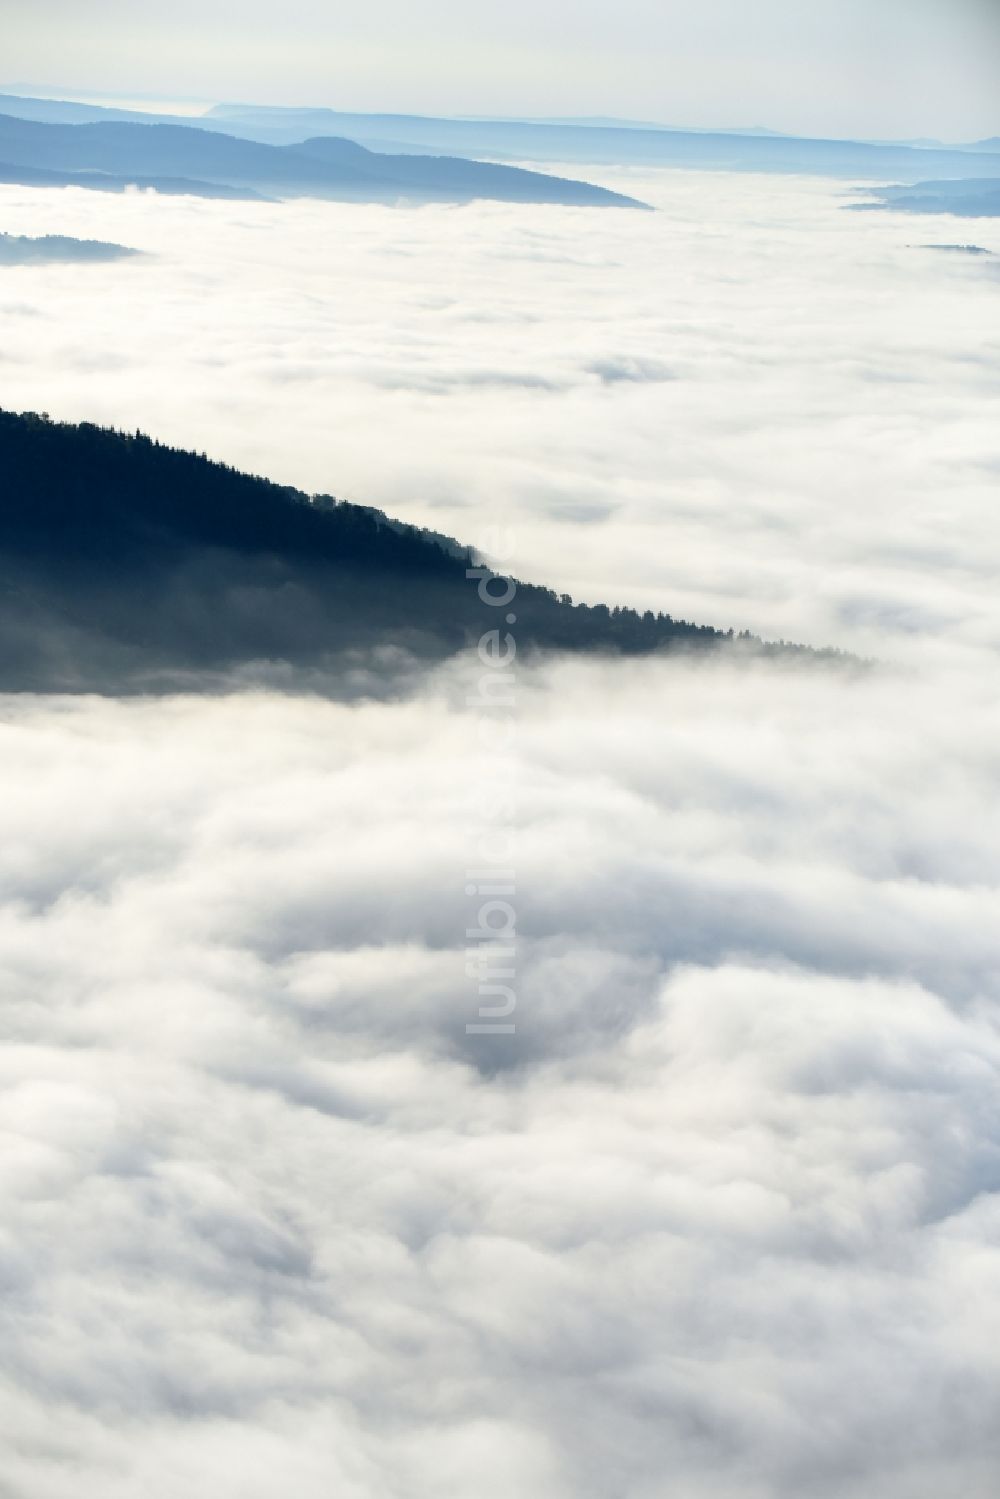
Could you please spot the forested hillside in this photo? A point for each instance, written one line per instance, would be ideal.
(125, 563)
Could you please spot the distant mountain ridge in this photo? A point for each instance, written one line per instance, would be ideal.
(626, 144)
(129, 566)
(593, 142)
(123, 151)
(108, 182)
(965, 198)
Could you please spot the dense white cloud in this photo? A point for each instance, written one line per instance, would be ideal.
(719, 1220)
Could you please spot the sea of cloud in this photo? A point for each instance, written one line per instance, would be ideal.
(751, 406)
(720, 1219)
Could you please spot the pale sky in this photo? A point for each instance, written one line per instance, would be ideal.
(893, 68)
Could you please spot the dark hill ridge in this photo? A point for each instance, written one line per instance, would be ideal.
(126, 565)
(49, 249)
(322, 168)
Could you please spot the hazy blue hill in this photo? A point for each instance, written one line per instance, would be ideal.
(126, 565)
(67, 111)
(967, 198)
(544, 141)
(20, 249)
(335, 169)
(556, 140)
(106, 182)
(444, 178)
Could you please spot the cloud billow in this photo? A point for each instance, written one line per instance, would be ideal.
(720, 1218)
(711, 1215)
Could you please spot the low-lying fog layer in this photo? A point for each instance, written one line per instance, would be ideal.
(718, 1220)
(749, 407)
